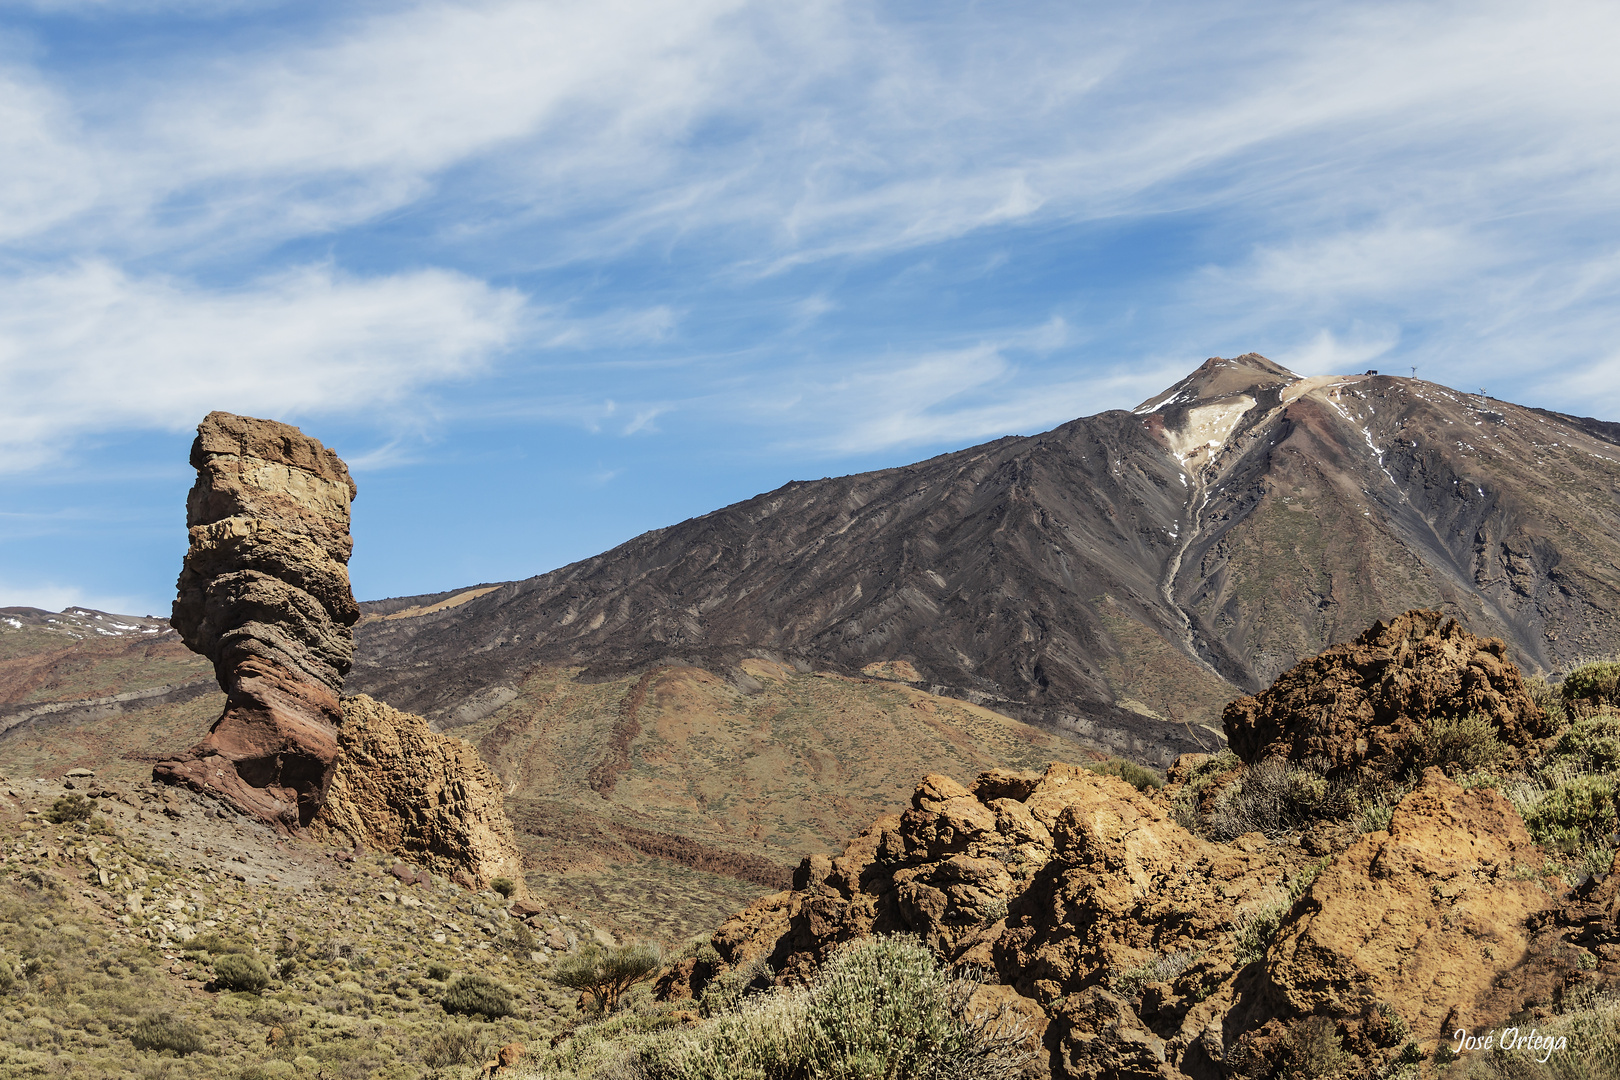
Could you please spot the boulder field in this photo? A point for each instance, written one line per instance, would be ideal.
(1134, 947)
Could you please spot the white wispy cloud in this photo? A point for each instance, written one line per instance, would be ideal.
(952, 396)
(92, 348)
(1397, 157)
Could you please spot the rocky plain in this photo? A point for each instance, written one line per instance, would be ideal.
(1266, 731)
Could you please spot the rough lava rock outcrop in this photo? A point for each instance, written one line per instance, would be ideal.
(403, 788)
(1432, 921)
(1361, 706)
(1139, 949)
(265, 595)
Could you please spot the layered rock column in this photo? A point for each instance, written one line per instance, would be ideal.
(265, 595)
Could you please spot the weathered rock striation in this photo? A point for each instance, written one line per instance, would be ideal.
(265, 595)
(1364, 706)
(402, 788)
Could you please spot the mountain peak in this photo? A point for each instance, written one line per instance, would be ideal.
(1221, 377)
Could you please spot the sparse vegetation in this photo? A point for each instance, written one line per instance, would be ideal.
(476, 995)
(1160, 969)
(1591, 1029)
(70, 808)
(1138, 776)
(880, 1007)
(1459, 744)
(606, 972)
(1275, 797)
(1254, 933)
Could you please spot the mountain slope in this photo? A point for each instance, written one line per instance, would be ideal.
(1118, 578)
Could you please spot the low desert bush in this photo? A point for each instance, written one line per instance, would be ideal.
(1276, 797)
(159, 1032)
(1593, 685)
(1136, 775)
(1591, 744)
(1160, 969)
(725, 992)
(607, 972)
(240, 972)
(1580, 809)
(1312, 1051)
(881, 1007)
(475, 995)
(504, 886)
(457, 1044)
(215, 943)
(438, 972)
(70, 808)
(1458, 744)
(1550, 698)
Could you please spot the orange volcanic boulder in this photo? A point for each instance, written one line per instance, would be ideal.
(1432, 922)
(1054, 884)
(265, 595)
(1363, 705)
(1153, 952)
(403, 788)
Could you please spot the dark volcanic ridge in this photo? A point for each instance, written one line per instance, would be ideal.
(1118, 578)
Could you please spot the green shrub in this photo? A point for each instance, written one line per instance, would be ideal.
(475, 995)
(240, 972)
(1129, 771)
(438, 972)
(1459, 744)
(503, 886)
(1581, 808)
(606, 973)
(70, 808)
(1311, 1050)
(1550, 698)
(1276, 797)
(1591, 744)
(880, 1007)
(159, 1032)
(6, 976)
(454, 1044)
(1594, 684)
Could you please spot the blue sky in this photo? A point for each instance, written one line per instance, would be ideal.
(552, 274)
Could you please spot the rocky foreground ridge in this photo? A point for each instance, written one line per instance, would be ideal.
(264, 594)
(1245, 919)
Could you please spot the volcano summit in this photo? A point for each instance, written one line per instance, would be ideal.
(1118, 578)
